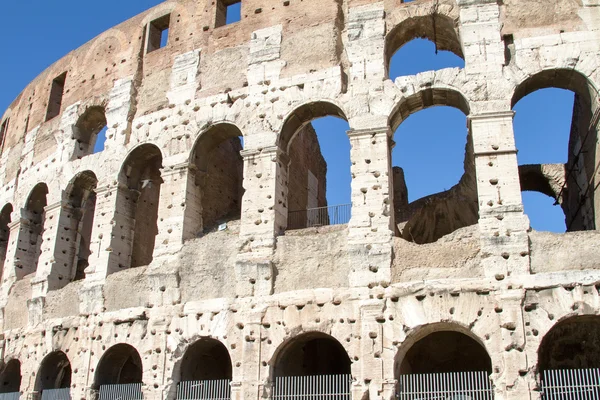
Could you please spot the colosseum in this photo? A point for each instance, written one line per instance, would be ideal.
(200, 236)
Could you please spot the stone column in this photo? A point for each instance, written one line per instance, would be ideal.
(372, 222)
(264, 216)
(110, 243)
(251, 385)
(371, 357)
(503, 226)
(179, 209)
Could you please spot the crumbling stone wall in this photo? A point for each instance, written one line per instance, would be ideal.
(258, 289)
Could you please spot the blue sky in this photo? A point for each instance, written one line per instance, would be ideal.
(430, 144)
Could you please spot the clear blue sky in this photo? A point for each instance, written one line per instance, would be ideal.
(430, 144)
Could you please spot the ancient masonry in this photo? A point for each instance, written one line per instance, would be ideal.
(116, 267)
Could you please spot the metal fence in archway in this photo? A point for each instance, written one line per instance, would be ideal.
(446, 386)
(566, 384)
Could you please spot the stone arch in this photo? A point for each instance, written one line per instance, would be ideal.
(308, 354)
(10, 377)
(81, 199)
(219, 172)
(579, 205)
(85, 132)
(431, 23)
(54, 373)
(120, 364)
(427, 219)
(304, 166)
(442, 347)
(5, 219)
(141, 176)
(571, 343)
(114, 35)
(34, 217)
(205, 359)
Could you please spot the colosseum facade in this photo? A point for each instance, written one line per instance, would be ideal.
(169, 259)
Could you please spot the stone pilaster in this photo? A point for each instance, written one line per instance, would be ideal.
(179, 208)
(371, 356)
(372, 221)
(503, 226)
(264, 216)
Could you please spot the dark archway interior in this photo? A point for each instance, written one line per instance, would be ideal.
(141, 173)
(54, 373)
(87, 128)
(10, 377)
(5, 219)
(207, 359)
(82, 198)
(35, 208)
(312, 354)
(219, 174)
(573, 343)
(445, 351)
(121, 364)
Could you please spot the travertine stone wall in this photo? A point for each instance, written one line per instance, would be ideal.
(173, 166)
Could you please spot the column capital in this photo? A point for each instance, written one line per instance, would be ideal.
(177, 168)
(491, 115)
(57, 205)
(358, 133)
(264, 152)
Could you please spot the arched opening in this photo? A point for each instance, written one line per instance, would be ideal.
(120, 372)
(423, 43)
(569, 357)
(81, 197)
(425, 367)
(5, 219)
(34, 214)
(141, 174)
(435, 187)
(205, 371)
(315, 138)
(219, 174)
(311, 360)
(90, 132)
(54, 376)
(559, 109)
(10, 377)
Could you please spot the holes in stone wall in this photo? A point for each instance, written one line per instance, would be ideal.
(5, 218)
(435, 188)
(228, 12)
(219, 174)
(141, 174)
(32, 238)
(82, 200)
(121, 364)
(206, 359)
(158, 33)
(547, 106)
(3, 132)
(10, 377)
(54, 372)
(56, 96)
(90, 132)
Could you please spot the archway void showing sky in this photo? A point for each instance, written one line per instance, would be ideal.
(430, 144)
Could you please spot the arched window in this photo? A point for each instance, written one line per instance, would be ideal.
(81, 196)
(120, 372)
(317, 362)
(54, 374)
(5, 217)
(318, 185)
(10, 377)
(569, 357)
(556, 108)
(90, 132)
(219, 173)
(35, 216)
(205, 370)
(423, 367)
(435, 188)
(141, 174)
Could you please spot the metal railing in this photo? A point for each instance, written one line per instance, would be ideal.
(56, 394)
(204, 390)
(447, 386)
(580, 384)
(10, 396)
(320, 216)
(334, 387)
(130, 391)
